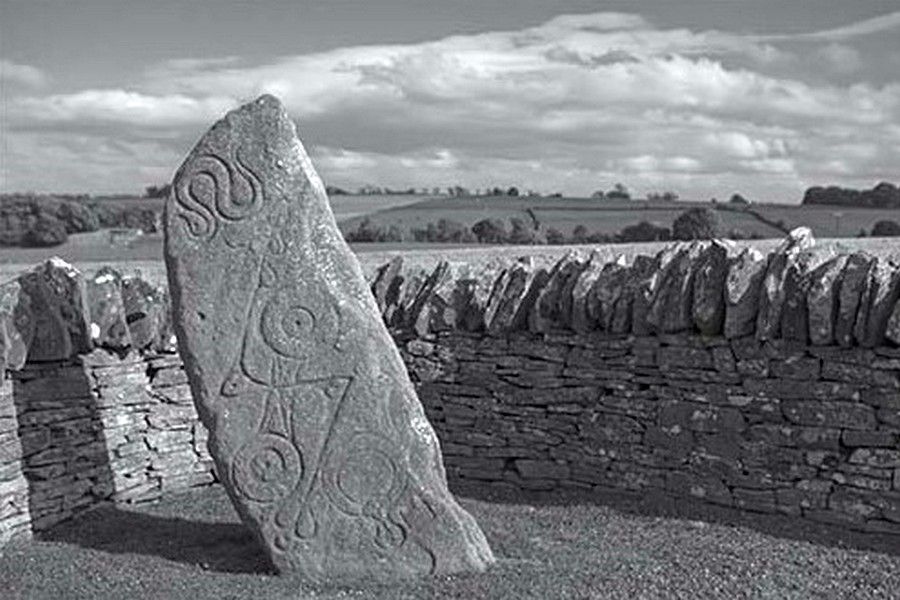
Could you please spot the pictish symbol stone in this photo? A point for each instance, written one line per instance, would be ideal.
(315, 427)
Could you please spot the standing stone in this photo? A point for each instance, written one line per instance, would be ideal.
(314, 425)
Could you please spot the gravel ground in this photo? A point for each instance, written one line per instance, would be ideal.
(193, 546)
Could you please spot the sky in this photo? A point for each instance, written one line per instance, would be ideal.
(702, 97)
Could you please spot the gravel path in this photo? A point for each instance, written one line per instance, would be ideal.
(192, 546)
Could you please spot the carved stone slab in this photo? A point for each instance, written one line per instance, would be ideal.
(316, 430)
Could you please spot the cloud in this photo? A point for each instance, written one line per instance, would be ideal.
(860, 28)
(25, 75)
(841, 58)
(119, 106)
(572, 105)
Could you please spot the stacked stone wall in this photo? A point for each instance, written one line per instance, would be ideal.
(768, 427)
(99, 428)
(765, 383)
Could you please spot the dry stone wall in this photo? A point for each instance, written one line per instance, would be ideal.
(765, 383)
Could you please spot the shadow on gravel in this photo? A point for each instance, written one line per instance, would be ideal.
(221, 547)
(661, 505)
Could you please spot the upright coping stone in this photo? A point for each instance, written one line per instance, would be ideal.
(315, 427)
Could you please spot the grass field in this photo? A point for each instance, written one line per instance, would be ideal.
(193, 546)
(416, 211)
(611, 216)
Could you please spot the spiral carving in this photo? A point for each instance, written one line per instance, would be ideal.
(268, 468)
(367, 479)
(213, 189)
(289, 326)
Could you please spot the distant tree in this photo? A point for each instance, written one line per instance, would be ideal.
(886, 228)
(883, 195)
(366, 231)
(598, 238)
(738, 199)
(513, 191)
(46, 231)
(555, 195)
(521, 233)
(599, 195)
(663, 197)
(490, 231)
(448, 230)
(157, 191)
(644, 232)
(619, 192)
(698, 223)
(580, 234)
(333, 190)
(555, 236)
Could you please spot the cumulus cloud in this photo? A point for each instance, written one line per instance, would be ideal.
(572, 105)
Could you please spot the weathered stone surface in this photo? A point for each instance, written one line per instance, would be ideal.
(670, 309)
(640, 289)
(418, 314)
(387, 283)
(472, 294)
(145, 310)
(507, 295)
(709, 289)
(58, 304)
(583, 319)
(609, 299)
(892, 331)
(315, 427)
(823, 299)
(853, 282)
(107, 311)
(742, 292)
(549, 311)
(16, 326)
(781, 267)
(877, 302)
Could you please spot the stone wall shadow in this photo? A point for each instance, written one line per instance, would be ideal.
(65, 459)
(82, 455)
(220, 547)
(655, 504)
